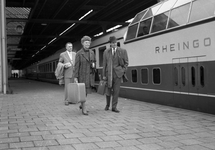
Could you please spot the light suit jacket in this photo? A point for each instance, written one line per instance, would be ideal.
(64, 58)
(59, 73)
(120, 68)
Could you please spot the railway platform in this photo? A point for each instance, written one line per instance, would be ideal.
(34, 117)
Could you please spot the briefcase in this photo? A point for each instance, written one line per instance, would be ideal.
(101, 87)
(76, 93)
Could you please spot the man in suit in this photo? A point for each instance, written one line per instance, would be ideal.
(115, 63)
(67, 59)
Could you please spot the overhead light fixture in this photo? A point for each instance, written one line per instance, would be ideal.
(44, 24)
(19, 29)
(15, 49)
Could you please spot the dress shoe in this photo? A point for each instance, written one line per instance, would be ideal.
(115, 110)
(66, 103)
(106, 108)
(80, 107)
(84, 113)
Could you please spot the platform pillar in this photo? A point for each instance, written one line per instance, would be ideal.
(3, 50)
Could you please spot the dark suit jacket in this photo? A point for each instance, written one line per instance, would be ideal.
(119, 68)
(64, 58)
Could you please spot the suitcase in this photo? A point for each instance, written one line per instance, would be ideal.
(76, 92)
(101, 87)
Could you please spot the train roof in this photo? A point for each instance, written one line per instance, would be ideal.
(167, 15)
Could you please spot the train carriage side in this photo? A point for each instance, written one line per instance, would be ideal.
(171, 61)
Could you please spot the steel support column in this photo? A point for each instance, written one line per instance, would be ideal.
(3, 49)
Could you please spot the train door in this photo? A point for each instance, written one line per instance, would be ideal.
(188, 79)
(180, 75)
(189, 75)
(181, 83)
(196, 75)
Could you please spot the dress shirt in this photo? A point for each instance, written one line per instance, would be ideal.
(113, 51)
(70, 55)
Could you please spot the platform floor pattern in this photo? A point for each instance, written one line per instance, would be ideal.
(35, 118)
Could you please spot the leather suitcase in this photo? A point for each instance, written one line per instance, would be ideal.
(76, 92)
(101, 87)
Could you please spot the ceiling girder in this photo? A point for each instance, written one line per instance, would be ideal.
(51, 21)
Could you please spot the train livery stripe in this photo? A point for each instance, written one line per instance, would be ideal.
(165, 91)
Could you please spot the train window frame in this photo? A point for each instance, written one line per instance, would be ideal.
(183, 76)
(132, 35)
(185, 6)
(198, 14)
(148, 26)
(175, 76)
(193, 76)
(139, 16)
(53, 66)
(136, 76)
(202, 76)
(159, 22)
(142, 76)
(159, 76)
(101, 50)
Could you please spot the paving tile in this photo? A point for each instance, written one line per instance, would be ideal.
(45, 143)
(90, 139)
(194, 147)
(107, 144)
(87, 146)
(9, 140)
(68, 141)
(21, 145)
(4, 146)
(129, 142)
(112, 138)
(66, 147)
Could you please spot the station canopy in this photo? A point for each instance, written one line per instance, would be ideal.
(36, 29)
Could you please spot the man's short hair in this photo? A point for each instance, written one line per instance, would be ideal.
(67, 44)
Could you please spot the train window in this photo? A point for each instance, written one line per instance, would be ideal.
(175, 76)
(50, 67)
(134, 75)
(118, 44)
(56, 63)
(144, 27)
(94, 50)
(152, 11)
(132, 30)
(53, 66)
(202, 9)
(202, 76)
(178, 16)
(144, 76)
(160, 22)
(156, 76)
(138, 17)
(183, 76)
(101, 52)
(193, 76)
(166, 6)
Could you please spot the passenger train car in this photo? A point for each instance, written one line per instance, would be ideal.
(171, 50)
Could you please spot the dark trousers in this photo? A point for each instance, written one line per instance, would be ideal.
(115, 91)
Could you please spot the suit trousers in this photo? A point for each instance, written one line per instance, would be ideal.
(116, 82)
(67, 81)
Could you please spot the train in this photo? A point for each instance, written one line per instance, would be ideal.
(171, 50)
